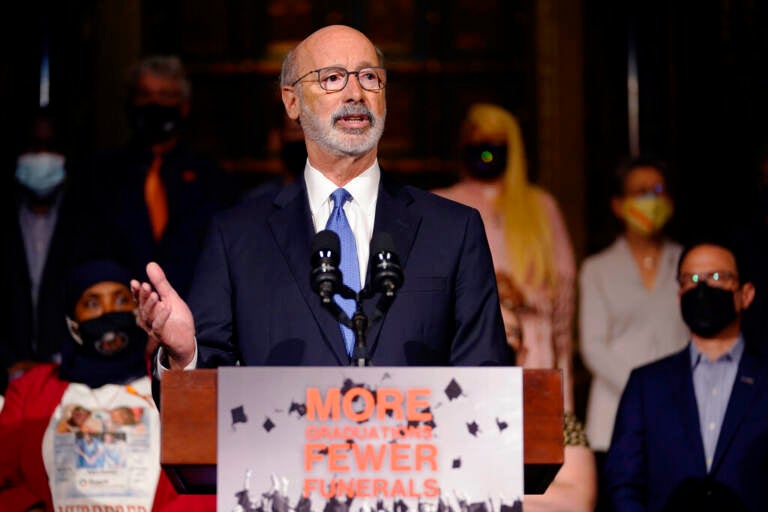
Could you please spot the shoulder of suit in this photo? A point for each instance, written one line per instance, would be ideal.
(437, 204)
(258, 203)
(665, 365)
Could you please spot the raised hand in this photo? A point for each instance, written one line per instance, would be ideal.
(165, 316)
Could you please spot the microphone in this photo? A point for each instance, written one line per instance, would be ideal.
(384, 265)
(325, 277)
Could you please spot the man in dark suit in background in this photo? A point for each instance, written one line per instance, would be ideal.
(252, 299)
(156, 195)
(45, 231)
(691, 432)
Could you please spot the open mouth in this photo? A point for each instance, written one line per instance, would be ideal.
(354, 120)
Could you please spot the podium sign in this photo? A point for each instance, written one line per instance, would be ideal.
(393, 438)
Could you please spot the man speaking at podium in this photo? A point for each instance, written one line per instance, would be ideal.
(252, 302)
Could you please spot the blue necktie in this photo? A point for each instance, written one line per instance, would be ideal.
(349, 267)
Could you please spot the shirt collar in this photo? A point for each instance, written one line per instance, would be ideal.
(364, 188)
(26, 203)
(733, 355)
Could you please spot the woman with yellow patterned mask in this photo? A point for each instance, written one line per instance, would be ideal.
(628, 306)
(644, 207)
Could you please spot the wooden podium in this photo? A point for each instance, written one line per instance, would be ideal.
(188, 416)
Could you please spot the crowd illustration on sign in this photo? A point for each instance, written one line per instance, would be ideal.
(276, 499)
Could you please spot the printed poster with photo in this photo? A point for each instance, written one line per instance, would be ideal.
(388, 439)
(103, 457)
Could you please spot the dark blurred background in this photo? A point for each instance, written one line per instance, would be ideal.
(564, 67)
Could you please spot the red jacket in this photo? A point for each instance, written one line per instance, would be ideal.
(30, 401)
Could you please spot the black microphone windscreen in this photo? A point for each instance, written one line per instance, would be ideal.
(382, 242)
(325, 277)
(326, 240)
(386, 275)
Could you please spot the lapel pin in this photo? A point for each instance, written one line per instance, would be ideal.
(747, 380)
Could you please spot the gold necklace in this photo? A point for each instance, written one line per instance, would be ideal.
(649, 262)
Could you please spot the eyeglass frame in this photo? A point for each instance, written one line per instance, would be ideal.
(658, 189)
(692, 279)
(346, 77)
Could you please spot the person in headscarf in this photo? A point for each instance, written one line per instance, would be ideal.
(103, 367)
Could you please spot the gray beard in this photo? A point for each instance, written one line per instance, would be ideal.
(337, 141)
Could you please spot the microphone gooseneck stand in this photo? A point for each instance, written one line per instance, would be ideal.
(385, 274)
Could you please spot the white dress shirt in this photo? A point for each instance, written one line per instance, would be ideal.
(360, 210)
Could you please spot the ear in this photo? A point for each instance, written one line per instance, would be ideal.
(74, 330)
(616, 207)
(747, 295)
(291, 102)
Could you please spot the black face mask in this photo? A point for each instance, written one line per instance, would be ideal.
(155, 123)
(110, 334)
(294, 157)
(707, 310)
(112, 351)
(485, 161)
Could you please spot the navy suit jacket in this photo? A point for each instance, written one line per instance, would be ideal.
(253, 303)
(656, 459)
(38, 334)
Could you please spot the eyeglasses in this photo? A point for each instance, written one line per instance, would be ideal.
(334, 79)
(717, 278)
(655, 190)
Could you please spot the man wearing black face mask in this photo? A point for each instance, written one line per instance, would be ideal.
(691, 429)
(155, 194)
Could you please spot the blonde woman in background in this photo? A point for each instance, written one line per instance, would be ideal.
(529, 242)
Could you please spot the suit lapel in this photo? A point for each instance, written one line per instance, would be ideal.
(393, 217)
(291, 225)
(684, 398)
(744, 390)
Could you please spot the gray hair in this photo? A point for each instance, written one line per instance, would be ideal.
(288, 70)
(166, 66)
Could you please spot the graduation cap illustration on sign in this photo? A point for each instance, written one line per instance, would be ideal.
(424, 411)
(300, 409)
(349, 384)
(453, 390)
(238, 415)
(501, 424)
(473, 428)
(268, 425)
